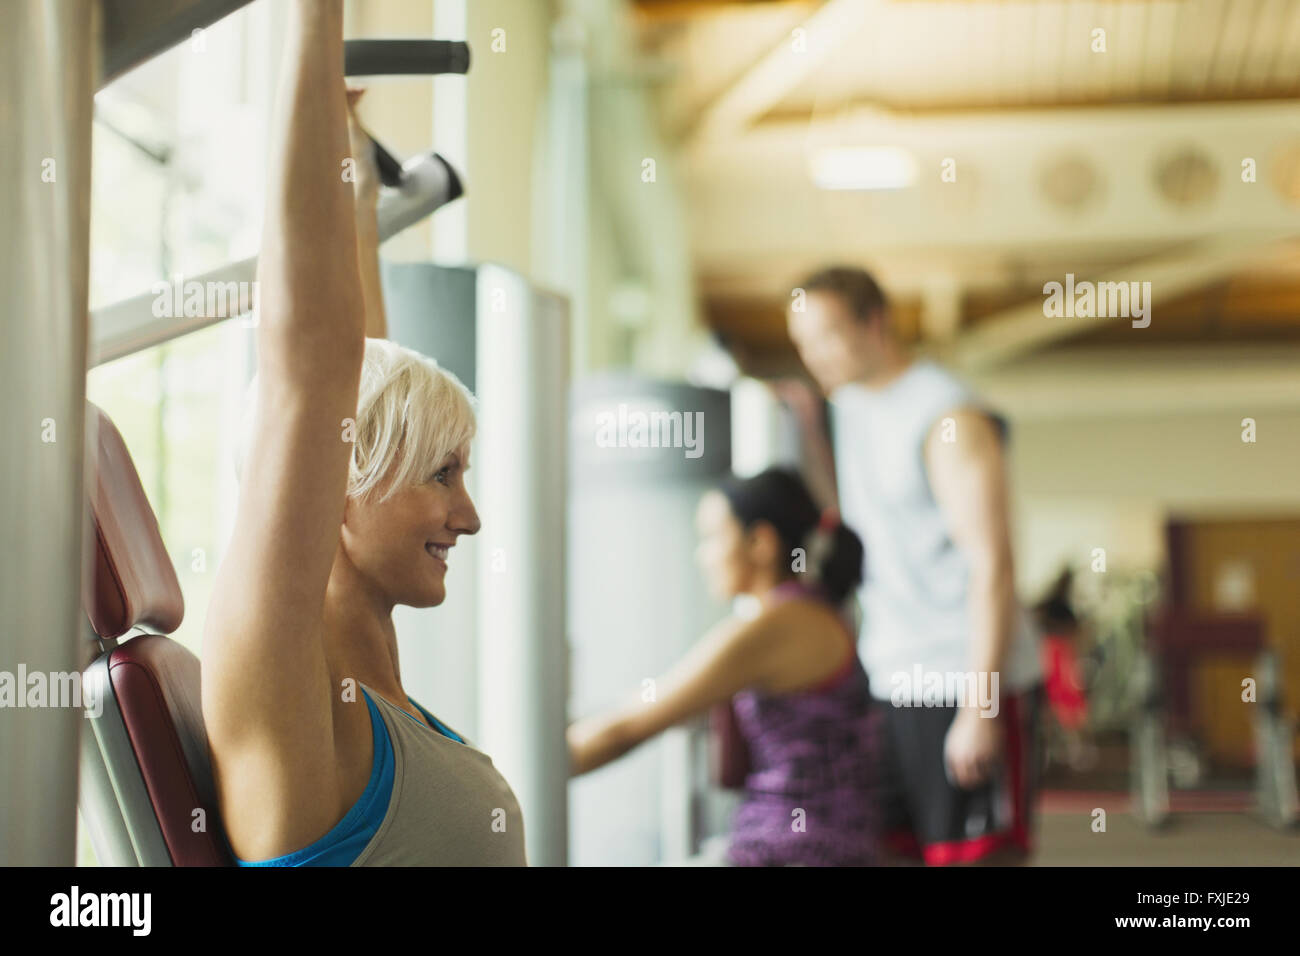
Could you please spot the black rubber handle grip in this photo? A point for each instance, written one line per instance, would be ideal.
(404, 57)
(390, 170)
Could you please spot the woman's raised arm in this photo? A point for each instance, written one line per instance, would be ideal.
(266, 687)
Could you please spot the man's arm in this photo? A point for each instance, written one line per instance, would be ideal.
(968, 480)
(814, 442)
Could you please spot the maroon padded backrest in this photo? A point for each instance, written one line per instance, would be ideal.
(156, 683)
(131, 583)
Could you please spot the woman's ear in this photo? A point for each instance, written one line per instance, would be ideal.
(763, 545)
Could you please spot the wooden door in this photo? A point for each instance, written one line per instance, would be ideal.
(1241, 565)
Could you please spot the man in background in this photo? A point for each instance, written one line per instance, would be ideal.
(919, 471)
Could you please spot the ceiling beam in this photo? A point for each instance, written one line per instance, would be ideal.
(1026, 328)
(1099, 382)
(758, 220)
(781, 69)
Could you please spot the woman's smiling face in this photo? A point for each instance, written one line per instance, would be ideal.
(401, 545)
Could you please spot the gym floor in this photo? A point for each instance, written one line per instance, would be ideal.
(1195, 837)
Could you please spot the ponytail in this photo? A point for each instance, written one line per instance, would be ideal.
(842, 570)
(836, 554)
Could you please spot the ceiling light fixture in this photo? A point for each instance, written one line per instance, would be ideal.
(863, 167)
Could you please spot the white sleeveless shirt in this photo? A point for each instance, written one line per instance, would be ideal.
(914, 596)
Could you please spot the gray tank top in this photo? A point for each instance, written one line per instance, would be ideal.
(450, 806)
(914, 597)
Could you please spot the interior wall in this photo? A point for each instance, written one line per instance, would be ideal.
(1110, 481)
(505, 110)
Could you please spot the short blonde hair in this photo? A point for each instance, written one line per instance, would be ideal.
(411, 414)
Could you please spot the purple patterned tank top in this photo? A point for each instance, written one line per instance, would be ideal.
(809, 796)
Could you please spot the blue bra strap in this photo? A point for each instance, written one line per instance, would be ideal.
(349, 837)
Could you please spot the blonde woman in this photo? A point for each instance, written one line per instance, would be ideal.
(352, 498)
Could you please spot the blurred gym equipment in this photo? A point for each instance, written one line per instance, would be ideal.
(1149, 759)
(1162, 709)
(1275, 778)
(637, 603)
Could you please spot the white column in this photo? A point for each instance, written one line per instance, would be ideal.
(763, 431)
(521, 457)
(48, 61)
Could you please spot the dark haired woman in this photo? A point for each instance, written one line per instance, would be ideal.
(791, 673)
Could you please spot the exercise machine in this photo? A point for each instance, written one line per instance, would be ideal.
(1161, 706)
(1275, 776)
(1148, 756)
(138, 770)
(417, 188)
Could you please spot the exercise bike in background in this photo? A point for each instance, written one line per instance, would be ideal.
(1137, 680)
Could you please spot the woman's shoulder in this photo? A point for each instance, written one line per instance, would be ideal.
(803, 610)
(811, 642)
